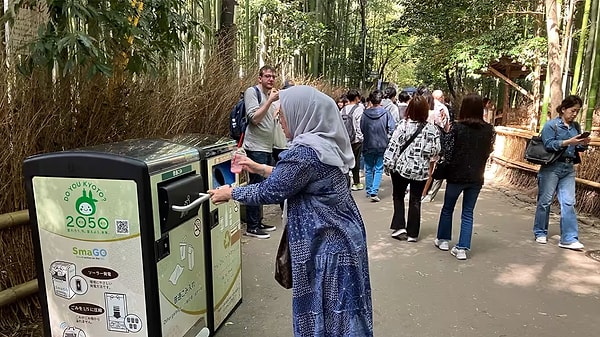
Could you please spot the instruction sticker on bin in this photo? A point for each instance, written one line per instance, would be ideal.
(91, 226)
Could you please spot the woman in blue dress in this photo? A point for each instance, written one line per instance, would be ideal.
(330, 274)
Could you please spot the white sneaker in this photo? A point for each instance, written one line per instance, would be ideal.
(542, 240)
(573, 245)
(409, 239)
(441, 244)
(398, 232)
(460, 254)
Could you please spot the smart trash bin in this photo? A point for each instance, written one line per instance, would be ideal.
(223, 245)
(119, 240)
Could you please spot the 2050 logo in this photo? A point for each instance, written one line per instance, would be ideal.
(86, 207)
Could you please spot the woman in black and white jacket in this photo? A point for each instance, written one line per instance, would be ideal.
(408, 164)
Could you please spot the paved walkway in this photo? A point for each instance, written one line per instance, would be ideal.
(510, 286)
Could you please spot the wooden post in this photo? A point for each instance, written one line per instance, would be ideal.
(506, 101)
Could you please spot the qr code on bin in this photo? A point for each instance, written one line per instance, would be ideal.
(122, 226)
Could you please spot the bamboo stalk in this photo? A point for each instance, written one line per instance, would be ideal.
(506, 162)
(13, 294)
(14, 219)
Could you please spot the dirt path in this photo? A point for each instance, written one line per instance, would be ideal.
(510, 286)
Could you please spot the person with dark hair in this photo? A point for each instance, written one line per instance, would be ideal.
(355, 111)
(258, 140)
(403, 99)
(331, 293)
(560, 134)
(406, 159)
(488, 114)
(342, 102)
(466, 149)
(377, 126)
(438, 116)
(389, 102)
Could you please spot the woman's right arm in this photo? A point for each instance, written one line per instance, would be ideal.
(289, 177)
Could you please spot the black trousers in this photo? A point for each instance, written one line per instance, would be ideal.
(413, 223)
(356, 150)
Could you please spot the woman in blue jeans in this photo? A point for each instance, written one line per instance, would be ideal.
(560, 134)
(466, 148)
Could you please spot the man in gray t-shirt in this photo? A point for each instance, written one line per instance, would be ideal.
(258, 140)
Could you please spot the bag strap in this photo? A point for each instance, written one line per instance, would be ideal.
(410, 140)
(258, 95)
(351, 110)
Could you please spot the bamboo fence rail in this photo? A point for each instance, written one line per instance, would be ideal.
(525, 166)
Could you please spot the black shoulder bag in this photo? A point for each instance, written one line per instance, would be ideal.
(536, 152)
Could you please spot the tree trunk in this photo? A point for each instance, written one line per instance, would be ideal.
(554, 65)
(565, 52)
(363, 40)
(581, 47)
(226, 36)
(595, 77)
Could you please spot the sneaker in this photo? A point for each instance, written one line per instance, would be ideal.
(398, 232)
(375, 198)
(460, 254)
(441, 244)
(268, 228)
(573, 245)
(257, 233)
(357, 187)
(402, 236)
(409, 239)
(542, 240)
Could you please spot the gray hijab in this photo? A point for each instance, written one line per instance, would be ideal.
(314, 120)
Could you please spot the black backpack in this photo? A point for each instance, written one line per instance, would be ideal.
(237, 117)
(349, 122)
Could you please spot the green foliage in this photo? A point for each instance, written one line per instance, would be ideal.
(290, 30)
(97, 36)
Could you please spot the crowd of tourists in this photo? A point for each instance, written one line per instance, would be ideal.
(321, 145)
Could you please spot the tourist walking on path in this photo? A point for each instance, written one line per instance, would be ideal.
(354, 110)
(377, 126)
(466, 149)
(327, 239)
(413, 144)
(560, 134)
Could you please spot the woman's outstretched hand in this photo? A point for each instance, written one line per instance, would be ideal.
(220, 194)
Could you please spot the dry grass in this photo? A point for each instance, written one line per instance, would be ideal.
(37, 116)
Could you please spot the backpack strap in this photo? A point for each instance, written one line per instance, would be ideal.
(258, 95)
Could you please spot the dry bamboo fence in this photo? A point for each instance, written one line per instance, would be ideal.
(509, 151)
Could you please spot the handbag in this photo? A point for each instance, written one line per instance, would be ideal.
(536, 152)
(283, 261)
(441, 170)
(442, 167)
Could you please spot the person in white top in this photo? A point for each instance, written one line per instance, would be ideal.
(355, 108)
(389, 103)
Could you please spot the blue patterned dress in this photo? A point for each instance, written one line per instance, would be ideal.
(332, 291)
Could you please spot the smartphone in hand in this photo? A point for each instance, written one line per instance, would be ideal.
(584, 135)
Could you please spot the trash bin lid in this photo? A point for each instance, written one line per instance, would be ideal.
(157, 154)
(208, 145)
